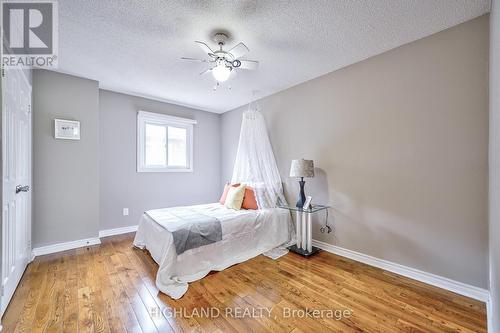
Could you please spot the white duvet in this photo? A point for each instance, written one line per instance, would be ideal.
(245, 234)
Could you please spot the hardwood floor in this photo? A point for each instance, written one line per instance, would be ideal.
(111, 288)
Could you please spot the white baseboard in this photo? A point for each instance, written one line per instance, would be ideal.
(117, 231)
(40, 251)
(435, 280)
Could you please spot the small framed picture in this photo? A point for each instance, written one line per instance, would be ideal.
(66, 129)
(307, 204)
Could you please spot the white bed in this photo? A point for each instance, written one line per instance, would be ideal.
(245, 234)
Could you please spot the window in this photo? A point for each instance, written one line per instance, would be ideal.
(164, 143)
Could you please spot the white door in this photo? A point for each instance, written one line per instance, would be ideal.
(16, 173)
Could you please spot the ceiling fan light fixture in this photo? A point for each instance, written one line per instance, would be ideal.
(221, 72)
(225, 64)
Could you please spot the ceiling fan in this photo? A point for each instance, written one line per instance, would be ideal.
(224, 62)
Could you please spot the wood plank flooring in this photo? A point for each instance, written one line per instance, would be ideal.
(111, 288)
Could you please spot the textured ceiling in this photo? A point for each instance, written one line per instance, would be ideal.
(134, 46)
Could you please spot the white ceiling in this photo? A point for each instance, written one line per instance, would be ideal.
(134, 46)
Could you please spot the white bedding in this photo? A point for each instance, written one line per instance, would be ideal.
(245, 234)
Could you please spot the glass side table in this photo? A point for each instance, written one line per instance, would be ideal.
(303, 220)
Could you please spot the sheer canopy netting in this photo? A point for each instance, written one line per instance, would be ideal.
(255, 165)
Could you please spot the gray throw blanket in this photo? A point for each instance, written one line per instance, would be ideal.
(190, 229)
(196, 235)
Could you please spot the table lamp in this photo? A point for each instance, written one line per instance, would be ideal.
(302, 169)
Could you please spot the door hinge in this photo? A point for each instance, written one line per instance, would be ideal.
(3, 290)
(3, 72)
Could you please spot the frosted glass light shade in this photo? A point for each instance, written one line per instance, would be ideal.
(221, 72)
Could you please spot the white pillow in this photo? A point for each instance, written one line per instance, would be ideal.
(235, 196)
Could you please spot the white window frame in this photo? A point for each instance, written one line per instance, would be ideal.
(144, 118)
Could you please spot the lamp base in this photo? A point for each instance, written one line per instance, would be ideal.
(302, 195)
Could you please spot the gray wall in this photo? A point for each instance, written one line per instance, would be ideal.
(495, 162)
(123, 187)
(81, 187)
(65, 172)
(400, 142)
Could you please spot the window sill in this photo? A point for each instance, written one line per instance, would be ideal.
(147, 170)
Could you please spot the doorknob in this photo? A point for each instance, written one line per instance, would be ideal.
(20, 188)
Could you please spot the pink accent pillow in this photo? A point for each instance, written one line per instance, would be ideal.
(222, 199)
(249, 201)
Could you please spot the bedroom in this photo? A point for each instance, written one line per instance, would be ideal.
(121, 159)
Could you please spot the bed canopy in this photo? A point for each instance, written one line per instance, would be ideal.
(255, 164)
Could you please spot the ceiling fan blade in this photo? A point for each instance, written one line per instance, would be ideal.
(205, 48)
(239, 50)
(206, 71)
(194, 59)
(249, 64)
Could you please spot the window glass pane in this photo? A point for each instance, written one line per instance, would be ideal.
(177, 146)
(156, 139)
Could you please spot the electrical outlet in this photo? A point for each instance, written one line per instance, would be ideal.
(125, 211)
